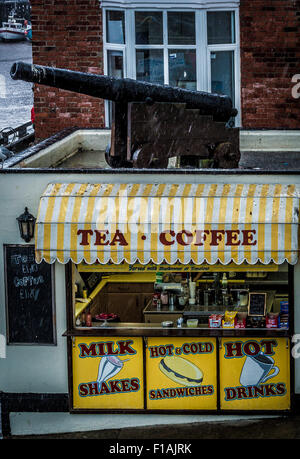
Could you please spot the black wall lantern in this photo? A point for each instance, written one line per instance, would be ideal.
(26, 225)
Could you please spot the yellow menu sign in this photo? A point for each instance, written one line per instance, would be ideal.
(108, 373)
(181, 373)
(255, 374)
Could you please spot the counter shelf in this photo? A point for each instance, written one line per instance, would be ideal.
(156, 329)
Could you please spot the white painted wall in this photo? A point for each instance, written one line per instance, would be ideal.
(41, 369)
(44, 368)
(29, 368)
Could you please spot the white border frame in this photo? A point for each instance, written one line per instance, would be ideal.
(167, 4)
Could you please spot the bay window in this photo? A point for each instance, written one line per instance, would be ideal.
(193, 49)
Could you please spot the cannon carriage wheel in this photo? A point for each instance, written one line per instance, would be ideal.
(116, 161)
(143, 158)
(226, 155)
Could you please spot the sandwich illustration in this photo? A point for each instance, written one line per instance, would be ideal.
(181, 371)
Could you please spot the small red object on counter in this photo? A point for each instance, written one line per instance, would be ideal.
(88, 319)
(106, 316)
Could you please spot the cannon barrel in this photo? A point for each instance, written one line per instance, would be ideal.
(124, 89)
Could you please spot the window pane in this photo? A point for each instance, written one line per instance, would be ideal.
(115, 63)
(222, 73)
(115, 69)
(181, 28)
(148, 28)
(182, 68)
(220, 27)
(150, 65)
(115, 27)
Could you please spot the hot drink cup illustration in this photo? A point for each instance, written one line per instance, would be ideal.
(256, 370)
(109, 366)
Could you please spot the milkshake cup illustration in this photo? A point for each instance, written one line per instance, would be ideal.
(109, 366)
(256, 370)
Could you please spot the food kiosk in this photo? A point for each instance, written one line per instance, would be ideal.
(179, 296)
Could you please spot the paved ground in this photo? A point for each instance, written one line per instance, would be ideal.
(16, 97)
(275, 428)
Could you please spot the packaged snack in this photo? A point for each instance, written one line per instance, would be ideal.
(241, 323)
(284, 307)
(283, 321)
(241, 319)
(215, 320)
(229, 319)
(272, 320)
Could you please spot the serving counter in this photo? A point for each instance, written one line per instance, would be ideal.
(175, 358)
(147, 367)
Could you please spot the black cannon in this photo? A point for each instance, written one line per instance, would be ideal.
(151, 123)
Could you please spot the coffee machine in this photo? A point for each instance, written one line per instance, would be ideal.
(177, 293)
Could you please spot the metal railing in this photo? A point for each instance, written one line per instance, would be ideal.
(13, 137)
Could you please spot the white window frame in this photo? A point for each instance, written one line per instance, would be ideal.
(203, 50)
(112, 47)
(235, 47)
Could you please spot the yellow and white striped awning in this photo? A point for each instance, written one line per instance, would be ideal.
(168, 223)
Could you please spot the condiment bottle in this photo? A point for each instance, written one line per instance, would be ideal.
(78, 322)
(88, 320)
(159, 277)
(158, 304)
(83, 318)
(164, 298)
(156, 296)
(179, 322)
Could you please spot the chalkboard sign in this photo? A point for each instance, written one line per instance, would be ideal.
(29, 297)
(257, 304)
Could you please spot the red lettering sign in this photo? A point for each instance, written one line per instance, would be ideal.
(163, 239)
(213, 237)
(184, 237)
(85, 233)
(251, 347)
(101, 237)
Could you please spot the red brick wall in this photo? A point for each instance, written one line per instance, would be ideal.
(270, 56)
(66, 34)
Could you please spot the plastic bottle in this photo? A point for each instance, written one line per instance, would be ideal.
(88, 320)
